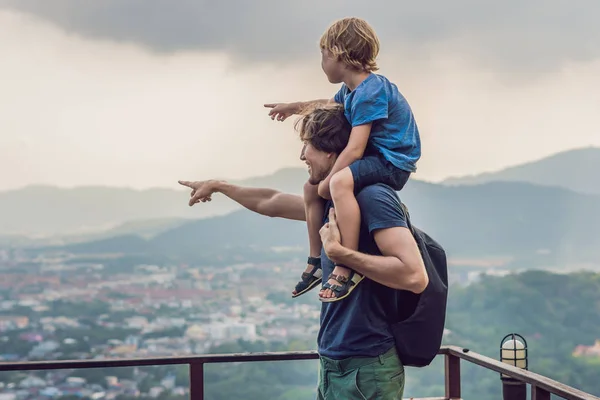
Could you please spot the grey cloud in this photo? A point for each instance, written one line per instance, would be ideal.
(532, 34)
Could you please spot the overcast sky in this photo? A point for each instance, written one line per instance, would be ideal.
(142, 93)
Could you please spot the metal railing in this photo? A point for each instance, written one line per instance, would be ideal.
(541, 386)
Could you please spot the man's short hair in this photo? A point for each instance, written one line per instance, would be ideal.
(325, 127)
(354, 42)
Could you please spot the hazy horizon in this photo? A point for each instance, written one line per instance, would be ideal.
(175, 185)
(94, 99)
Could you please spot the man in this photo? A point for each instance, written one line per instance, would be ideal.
(358, 359)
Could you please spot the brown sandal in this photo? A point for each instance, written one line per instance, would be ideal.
(347, 285)
(310, 279)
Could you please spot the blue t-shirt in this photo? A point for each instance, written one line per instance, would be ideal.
(394, 133)
(359, 326)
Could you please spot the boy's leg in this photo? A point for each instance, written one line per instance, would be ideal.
(367, 171)
(314, 207)
(347, 214)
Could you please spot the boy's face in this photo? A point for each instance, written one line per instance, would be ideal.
(332, 67)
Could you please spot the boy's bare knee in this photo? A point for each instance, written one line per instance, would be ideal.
(341, 182)
(310, 191)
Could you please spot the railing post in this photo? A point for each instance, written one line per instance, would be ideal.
(513, 389)
(538, 393)
(452, 372)
(197, 381)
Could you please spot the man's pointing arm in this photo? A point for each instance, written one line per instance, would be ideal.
(268, 202)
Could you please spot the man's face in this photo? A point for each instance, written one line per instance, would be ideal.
(319, 163)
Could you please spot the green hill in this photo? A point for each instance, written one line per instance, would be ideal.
(554, 312)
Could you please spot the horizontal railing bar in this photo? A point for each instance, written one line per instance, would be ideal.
(137, 362)
(550, 385)
(431, 398)
(529, 377)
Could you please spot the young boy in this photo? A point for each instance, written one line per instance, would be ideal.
(384, 145)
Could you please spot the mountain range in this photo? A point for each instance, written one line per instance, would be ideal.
(576, 170)
(88, 212)
(93, 212)
(496, 218)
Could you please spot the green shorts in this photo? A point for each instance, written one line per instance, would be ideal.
(361, 378)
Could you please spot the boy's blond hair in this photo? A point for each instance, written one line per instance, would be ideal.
(354, 41)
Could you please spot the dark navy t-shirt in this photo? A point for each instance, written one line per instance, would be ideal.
(359, 326)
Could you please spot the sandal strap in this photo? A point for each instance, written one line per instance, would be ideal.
(340, 278)
(309, 277)
(333, 288)
(313, 273)
(346, 283)
(314, 261)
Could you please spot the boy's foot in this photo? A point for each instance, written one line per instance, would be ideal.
(311, 277)
(340, 284)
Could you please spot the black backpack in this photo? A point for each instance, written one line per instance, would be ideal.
(419, 337)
